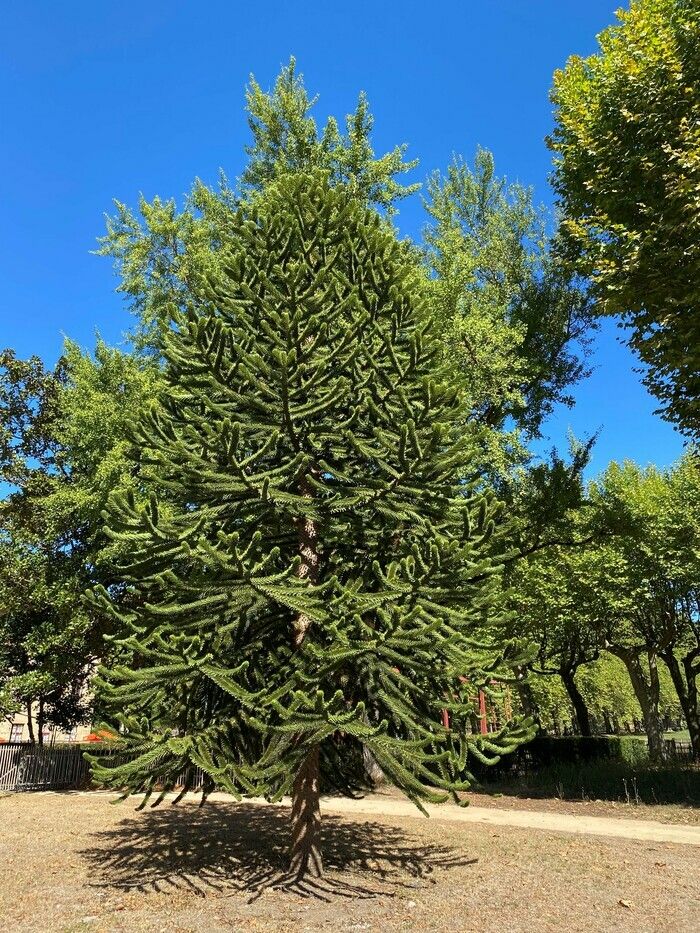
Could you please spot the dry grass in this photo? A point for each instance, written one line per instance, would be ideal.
(75, 863)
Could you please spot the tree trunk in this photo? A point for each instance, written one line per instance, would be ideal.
(309, 566)
(306, 813)
(692, 717)
(647, 693)
(373, 772)
(40, 722)
(30, 723)
(527, 700)
(610, 727)
(306, 819)
(583, 718)
(687, 690)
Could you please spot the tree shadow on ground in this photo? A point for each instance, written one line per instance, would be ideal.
(243, 848)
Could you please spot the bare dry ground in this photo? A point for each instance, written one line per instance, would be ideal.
(685, 814)
(74, 862)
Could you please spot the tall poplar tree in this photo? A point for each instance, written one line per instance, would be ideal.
(324, 571)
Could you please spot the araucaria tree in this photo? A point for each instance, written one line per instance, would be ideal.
(321, 574)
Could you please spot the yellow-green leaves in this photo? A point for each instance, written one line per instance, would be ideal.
(627, 172)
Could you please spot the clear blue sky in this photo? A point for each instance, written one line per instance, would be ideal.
(106, 100)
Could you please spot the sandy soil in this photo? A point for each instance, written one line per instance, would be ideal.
(74, 862)
(663, 813)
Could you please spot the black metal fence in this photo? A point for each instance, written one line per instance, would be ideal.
(24, 766)
(678, 751)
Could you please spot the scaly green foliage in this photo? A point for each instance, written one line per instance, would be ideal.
(327, 570)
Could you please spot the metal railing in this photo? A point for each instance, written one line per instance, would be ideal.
(24, 766)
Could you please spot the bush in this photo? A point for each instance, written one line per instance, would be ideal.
(610, 779)
(599, 768)
(546, 749)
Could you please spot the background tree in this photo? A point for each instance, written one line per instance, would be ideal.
(286, 139)
(164, 255)
(652, 575)
(43, 626)
(329, 562)
(627, 172)
(610, 698)
(62, 451)
(515, 323)
(549, 606)
(46, 637)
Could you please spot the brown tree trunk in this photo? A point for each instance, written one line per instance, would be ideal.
(40, 722)
(583, 718)
(306, 819)
(527, 700)
(687, 690)
(373, 772)
(30, 723)
(306, 812)
(647, 693)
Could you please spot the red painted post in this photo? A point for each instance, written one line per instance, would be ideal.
(483, 725)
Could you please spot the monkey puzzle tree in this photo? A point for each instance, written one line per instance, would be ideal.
(324, 573)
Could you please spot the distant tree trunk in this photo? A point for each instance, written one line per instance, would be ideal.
(40, 722)
(685, 683)
(30, 723)
(583, 718)
(372, 770)
(527, 700)
(306, 819)
(647, 692)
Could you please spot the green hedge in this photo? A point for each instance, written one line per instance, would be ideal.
(572, 749)
(546, 750)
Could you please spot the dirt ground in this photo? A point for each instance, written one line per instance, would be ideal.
(74, 862)
(663, 813)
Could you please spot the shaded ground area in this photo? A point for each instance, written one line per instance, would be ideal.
(75, 862)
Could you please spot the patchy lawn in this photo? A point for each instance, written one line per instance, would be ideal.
(74, 862)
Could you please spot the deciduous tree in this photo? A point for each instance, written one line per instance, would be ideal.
(627, 172)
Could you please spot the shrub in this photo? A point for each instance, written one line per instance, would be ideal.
(574, 749)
